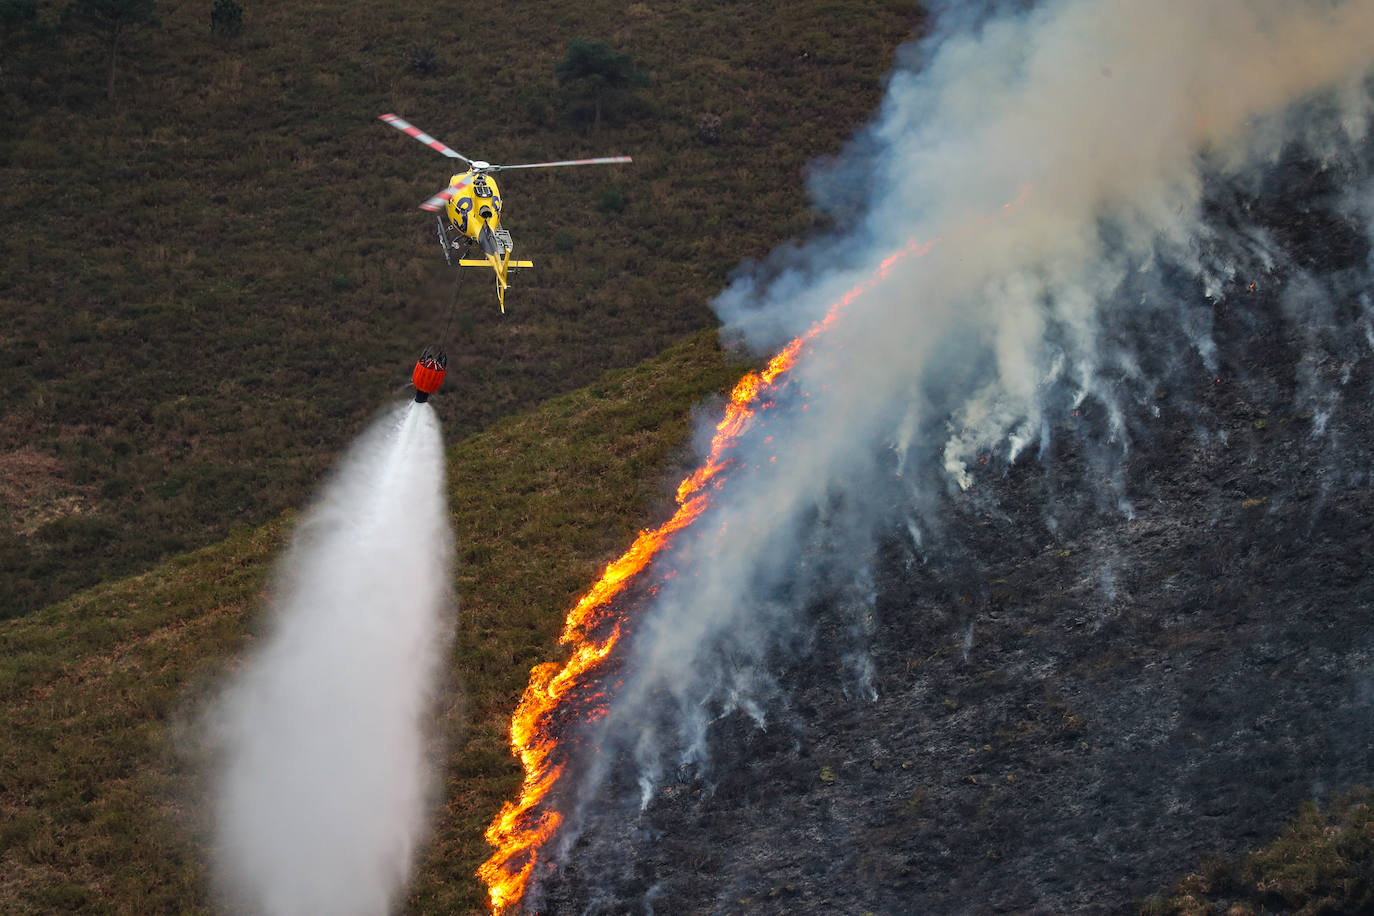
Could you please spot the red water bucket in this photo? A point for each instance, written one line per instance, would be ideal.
(426, 378)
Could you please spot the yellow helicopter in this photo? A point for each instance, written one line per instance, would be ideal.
(472, 203)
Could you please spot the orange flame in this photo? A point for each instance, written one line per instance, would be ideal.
(518, 832)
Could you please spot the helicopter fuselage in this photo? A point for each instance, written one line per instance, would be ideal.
(475, 203)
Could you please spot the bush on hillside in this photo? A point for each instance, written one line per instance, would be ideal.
(110, 20)
(601, 81)
(226, 19)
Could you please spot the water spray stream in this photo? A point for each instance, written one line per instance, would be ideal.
(324, 779)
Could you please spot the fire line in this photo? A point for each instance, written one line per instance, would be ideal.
(519, 830)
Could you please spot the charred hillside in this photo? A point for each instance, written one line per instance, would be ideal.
(1109, 660)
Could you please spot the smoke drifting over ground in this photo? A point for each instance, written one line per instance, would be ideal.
(325, 781)
(1093, 175)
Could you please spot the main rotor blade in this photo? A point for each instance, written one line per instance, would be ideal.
(436, 203)
(406, 127)
(604, 160)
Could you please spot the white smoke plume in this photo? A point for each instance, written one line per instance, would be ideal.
(1059, 158)
(325, 778)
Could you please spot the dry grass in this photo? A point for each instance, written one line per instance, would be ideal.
(101, 794)
(219, 275)
(1322, 863)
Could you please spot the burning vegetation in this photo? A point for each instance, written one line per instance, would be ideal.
(1028, 385)
(593, 629)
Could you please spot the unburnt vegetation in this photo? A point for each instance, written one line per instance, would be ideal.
(215, 271)
(101, 695)
(1323, 862)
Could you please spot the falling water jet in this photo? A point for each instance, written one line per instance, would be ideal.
(323, 780)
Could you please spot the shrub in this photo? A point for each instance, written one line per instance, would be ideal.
(599, 76)
(226, 19)
(14, 13)
(708, 129)
(424, 61)
(612, 200)
(110, 19)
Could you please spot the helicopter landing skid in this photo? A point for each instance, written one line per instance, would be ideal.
(443, 239)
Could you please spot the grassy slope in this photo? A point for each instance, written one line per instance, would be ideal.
(210, 282)
(98, 801)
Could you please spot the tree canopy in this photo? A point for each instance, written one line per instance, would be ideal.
(110, 19)
(599, 74)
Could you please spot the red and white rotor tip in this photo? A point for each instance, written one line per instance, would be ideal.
(406, 127)
(436, 203)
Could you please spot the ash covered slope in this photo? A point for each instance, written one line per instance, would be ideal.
(1076, 499)
(1067, 705)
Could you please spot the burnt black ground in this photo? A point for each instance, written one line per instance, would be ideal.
(1077, 702)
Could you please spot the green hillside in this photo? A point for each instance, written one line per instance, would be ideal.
(99, 695)
(213, 276)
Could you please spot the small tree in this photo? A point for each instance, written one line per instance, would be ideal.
(110, 19)
(226, 19)
(599, 74)
(15, 16)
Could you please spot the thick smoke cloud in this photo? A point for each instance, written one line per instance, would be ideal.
(1061, 159)
(324, 781)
